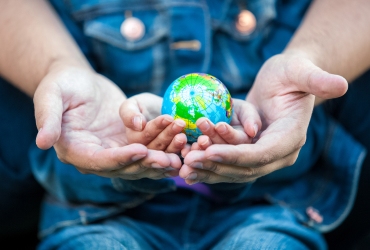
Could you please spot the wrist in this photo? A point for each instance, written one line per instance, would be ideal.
(60, 64)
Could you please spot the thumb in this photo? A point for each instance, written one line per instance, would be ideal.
(320, 83)
(48, 105)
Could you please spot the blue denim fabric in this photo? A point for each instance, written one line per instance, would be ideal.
(323, 178)
(153, 65)
(185, 220)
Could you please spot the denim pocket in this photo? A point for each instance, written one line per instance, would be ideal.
(134, 65)
(181, 36)
(237, 55)
(264, 11)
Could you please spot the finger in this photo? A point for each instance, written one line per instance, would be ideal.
(156, 159)
(239, 173)
(195, 146)
(146, 168)
(311, 79)
(156, 126)
(266, 150)
(48, 104)
(152, 129)
(251, 155)
(175, 161)
(164, 138)
(185, 150)
(248, 116)
(94, 159)
(177, 144)
(131, 115)
(203, 143)
(232, 135)
(195, 158)
(192, 177)
(208, 128)
(175, 166)
(156, 165)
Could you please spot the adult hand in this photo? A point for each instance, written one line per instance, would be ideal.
(283, 94)
(141, 115)
(77, 112)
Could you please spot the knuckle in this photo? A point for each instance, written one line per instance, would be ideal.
(212, 133)
(213, 167)
(204, 177)
(158, 146)
(140, 168)
(147, 135)
(265, 159)
(90, 166)
(309, 79)
(159, 171)
(249, 172)
(302, 142)
(234, 161)
(292, 159)
(246, 175)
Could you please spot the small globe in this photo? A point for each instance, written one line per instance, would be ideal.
(197, 95)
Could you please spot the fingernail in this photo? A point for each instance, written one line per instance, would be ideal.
(205, 142)
(180, 123)
(192, 183)
(204, 126)
(137, 157)
(215, 158)
(156, 165)
(169, 169)
(167, 120)
(197, 165)
(222, 129)
(191, 176)
(179, 142)
(255, 126)
(138, 123)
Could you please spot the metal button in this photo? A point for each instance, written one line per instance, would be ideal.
(132, 29)
(246, 22)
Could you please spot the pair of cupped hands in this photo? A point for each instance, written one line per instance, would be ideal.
(93, 126)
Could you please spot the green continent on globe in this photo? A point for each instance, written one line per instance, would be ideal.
(197, 95)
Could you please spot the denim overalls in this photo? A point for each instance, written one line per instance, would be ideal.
(314, 195)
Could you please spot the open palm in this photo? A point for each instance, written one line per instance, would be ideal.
(77, 112)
